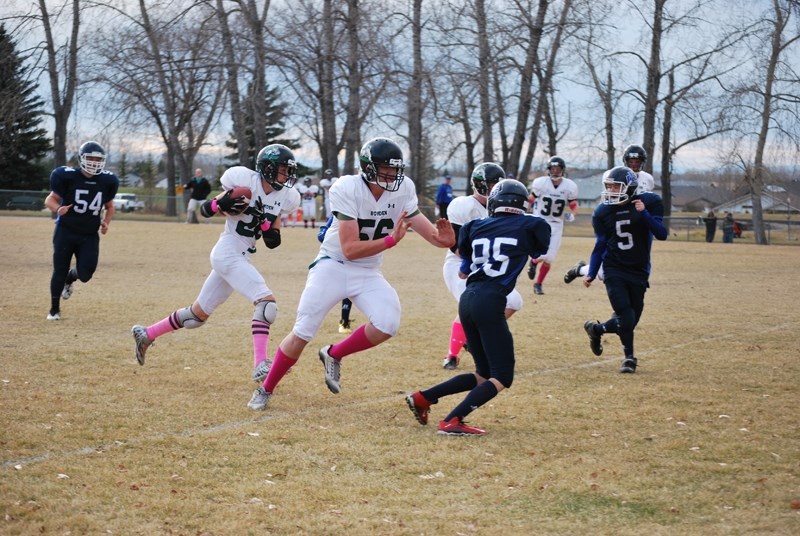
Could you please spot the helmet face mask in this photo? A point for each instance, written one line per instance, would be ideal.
(269, 162)
(619, 185)
(382, 164)
(92, 158)
(485, 176)
(509, 196)
(556, 163)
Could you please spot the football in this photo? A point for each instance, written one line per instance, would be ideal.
(239, 191)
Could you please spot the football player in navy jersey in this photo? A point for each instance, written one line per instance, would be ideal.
(493, 252)
(624, 226)
(78, 197)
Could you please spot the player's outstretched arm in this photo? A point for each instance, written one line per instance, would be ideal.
(441, 235)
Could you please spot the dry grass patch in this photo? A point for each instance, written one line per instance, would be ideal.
(703, 439)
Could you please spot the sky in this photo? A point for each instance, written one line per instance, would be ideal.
(575, 151)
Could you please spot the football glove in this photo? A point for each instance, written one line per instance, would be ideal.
(569, 216)
(232, 205)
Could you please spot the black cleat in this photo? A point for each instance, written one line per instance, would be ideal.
(537, 289)
(595, 341)
(531, 270)
(574, 272)
(628, 365)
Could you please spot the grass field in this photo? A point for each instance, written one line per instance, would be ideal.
(703, 439)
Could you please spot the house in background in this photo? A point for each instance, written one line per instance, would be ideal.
(775, 199)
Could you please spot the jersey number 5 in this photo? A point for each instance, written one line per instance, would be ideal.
(625, 241)
(382, 228)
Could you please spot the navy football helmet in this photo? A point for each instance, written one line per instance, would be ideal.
(485, 176)
(634, 151)
(619, 185)
(382, 152)
(270, 158)
(92, 157)
(508, 196)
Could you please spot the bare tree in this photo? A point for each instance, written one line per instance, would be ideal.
(545, 74)
(62, 98)
(175, 79)
(233, 68)
(337, 72)
(770, 97)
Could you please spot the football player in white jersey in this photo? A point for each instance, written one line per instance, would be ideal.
(308, 193)
(461, 210)
(372, 211)
(556, 199)
(634, 157)
(325, 183)
(246, 220)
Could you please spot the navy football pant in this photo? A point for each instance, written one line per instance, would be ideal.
(66, 244)
(627, 300)
(481, 309)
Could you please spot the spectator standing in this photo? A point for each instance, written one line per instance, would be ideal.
(711, 225)
(727, 228)
(444, 195)
(200, 188)
(78, 197)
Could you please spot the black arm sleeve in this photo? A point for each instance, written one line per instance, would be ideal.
(205, 209)
(456, 229)
(272, 238)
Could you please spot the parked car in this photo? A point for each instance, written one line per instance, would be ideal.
(25, 202)
(127, 203)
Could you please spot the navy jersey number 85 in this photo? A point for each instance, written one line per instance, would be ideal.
(497, 248)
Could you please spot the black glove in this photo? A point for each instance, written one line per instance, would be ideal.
(272, 238)
(259, 212)
(232, 205)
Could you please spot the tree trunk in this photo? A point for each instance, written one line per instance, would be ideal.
(653, 82)
(484, 90)
(234, 95)
(62, 105)
(414, 100)
(525, 90)
(666, 152)
(351, 134)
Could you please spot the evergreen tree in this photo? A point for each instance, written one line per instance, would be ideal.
(23, 144)
(275, 129)
(122, 171)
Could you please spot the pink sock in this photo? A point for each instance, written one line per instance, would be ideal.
(356, 342)
(280, 366)
(260, 341)
(164, 326)
(542, 273)
(457, 339)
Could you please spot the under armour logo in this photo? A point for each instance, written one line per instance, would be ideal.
(390, 205)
